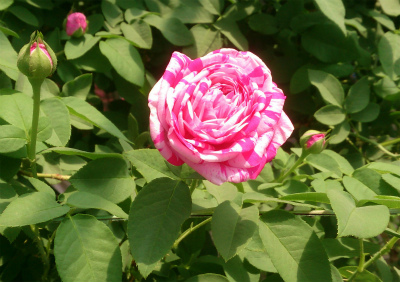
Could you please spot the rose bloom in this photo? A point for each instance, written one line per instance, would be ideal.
(221, 114)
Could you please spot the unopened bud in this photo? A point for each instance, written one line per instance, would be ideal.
(76, 24)
(313, 141)
(36, 59)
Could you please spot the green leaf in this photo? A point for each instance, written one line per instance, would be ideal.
(12, 138)
(392, 180)
(86, 200)
(391, 202)
(233, 226)
(364, 276)
(224, 192)
(356, 24)
(333, 10)
(382, 19)
(24, 15)
(237, 269)
(8, 31)
(191, 12)
(172, 29)
(390, 7)
(107, 177)
(347, 247)
(77, 47)
(329, 87)
(149, 163)
(8, 56)
(389, 54)
(93, 61)
(58, 115)
(125, 59)
(32, 208)
(41, 186)
(155, 220)
(370, 113)
(357, 189)
(9, 167)
(17, 110)
(139, 32)
(328, 44)
(343, 163)
(49, 88)
(111, 12)
(5, 4)
(324, 163)
(45, 130)
(294, 248)
(76, 152)
(88, 113)
(299, 80)
(374, 181)
(307, 196)
(85, 249)
(358, 96)
(213, 6)
(208, 277)
(231, 30)
(387, 89)
(263, 23)
(79, 87)
(384, 167)
(205, 41)
(340, 133)
(362, 222)
(330, 115)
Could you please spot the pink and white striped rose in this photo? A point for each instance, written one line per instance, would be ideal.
(221, 114)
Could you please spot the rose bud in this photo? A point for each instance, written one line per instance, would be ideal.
(314, 142)
(36, 59)
(221, 114)
(76, 24)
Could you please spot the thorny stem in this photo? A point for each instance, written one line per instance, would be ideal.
(385, 249)
(390, 142)
(383, 149)
(299, 161)
(36, 84)
(362, 257)
(42, 251)
(47, 175)
(190, 230)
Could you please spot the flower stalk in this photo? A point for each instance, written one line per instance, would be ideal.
(36, 84)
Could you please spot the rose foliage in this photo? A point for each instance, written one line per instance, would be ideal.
(199, 140)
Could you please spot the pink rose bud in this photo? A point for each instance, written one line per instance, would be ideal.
(41, 48)
(36, 59)
(221, 114)
(314, 139)
(314, 142)
(76, 24)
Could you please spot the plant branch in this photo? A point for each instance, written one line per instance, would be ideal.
(36, 84)
(390, 142)
(46, 175)
(304, 154)
(383, 149)
(41, 249)
(190, 230)
(385, 249)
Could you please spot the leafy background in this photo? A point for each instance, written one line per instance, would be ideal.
(130, 216)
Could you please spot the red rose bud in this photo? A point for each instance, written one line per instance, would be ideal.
(313, 141)
(76, 24)
(36, 59)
